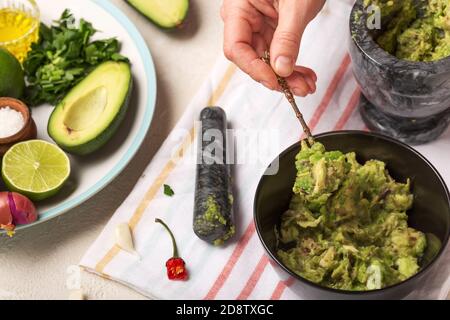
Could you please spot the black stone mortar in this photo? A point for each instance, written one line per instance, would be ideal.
(409, 101)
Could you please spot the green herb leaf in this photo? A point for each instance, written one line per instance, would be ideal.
(168, 191)
(63, 56)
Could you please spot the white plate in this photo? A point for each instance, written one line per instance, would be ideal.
(92, 173)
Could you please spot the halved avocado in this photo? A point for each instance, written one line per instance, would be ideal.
(92, 111)
(164, 13)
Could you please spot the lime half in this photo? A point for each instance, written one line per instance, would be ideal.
(36, 169)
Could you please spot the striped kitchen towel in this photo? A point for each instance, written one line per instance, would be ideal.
(240, 270)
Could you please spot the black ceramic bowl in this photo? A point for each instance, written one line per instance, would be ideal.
(406, 100)
(430, 213)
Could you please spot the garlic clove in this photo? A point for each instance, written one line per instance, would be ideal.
(124, 239)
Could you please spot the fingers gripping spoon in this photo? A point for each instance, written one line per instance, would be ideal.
(290, 97)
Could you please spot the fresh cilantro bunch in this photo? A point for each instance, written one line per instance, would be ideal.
(63, 56)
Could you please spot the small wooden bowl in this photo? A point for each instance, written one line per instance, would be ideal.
(29, 130)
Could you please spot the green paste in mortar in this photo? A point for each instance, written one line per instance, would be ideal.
(418, 30)
(347, 227)
(213, 216)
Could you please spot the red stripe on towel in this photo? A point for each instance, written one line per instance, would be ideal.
(330, 92)
(279, 289)
(243, 241)
(348, 111)
(254, 278)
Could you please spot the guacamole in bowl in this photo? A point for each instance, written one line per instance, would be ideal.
(347, 223)
(387, 229)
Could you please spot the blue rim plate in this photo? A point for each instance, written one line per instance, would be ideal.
(147, 60)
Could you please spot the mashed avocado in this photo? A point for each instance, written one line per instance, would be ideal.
(213, 218)
(418, 30)
(347, 227)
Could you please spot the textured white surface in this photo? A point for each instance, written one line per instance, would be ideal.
(36, 263)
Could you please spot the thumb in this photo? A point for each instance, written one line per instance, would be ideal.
(286, 39)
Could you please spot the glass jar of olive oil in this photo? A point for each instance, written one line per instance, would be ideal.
(19, 26)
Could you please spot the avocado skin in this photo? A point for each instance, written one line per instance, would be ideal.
(103, 137)
(156, 23)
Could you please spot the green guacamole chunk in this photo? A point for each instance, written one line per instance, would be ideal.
(417, 30)
(347, 227)
(213, 221)
(212, 213)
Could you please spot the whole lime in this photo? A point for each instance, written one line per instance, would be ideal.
(12, 82)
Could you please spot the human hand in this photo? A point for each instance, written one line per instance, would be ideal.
(253, 26)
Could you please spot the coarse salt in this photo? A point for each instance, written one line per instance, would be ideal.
(11, 122)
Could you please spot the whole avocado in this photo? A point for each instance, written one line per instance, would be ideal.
(12, 81)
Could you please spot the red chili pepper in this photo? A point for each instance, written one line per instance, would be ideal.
(176, 267)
